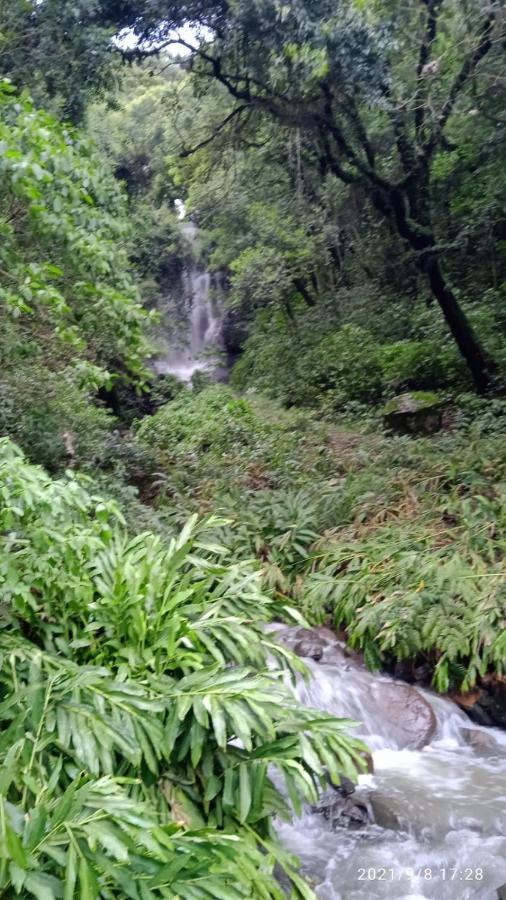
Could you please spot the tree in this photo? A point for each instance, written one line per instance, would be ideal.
(61, 50)
(374, 86)
(70, 313)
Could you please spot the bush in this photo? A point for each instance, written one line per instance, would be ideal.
(214, 420)
(53, 421)
(140, 716)
(311, 367)
(417, 365)
(344, 366)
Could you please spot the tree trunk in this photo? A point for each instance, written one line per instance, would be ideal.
(479, 363)
(419, 235)
(304, 292)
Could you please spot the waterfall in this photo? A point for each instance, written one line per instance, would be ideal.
(437, 829)
(198, 349)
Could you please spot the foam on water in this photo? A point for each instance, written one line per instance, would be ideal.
(441, 811)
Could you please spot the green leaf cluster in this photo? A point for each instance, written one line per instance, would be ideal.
(141, 721)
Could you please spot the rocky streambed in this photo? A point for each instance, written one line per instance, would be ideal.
(429, 820)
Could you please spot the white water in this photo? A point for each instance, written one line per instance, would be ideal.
(197, 350)
(440, 830)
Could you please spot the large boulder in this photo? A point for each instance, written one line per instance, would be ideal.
(409, 718)
(399, 711)
(418, 412)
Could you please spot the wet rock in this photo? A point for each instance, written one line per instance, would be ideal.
(320, 644)
(346, 788)
(383, 815)
(309, 642)
(479, 740)
(486, 705)
(406, 670)
(423, 674)
(310, 648)
(344, 812)
(418, 412)
(412, 721)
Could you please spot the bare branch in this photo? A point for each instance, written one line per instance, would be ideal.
(482, 47)
(235, 112)
(433, 9)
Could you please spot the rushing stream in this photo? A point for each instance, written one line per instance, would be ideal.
(438, 814)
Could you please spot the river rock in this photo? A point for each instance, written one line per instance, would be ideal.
(311, 647)
(479, 740)
(410, 717)
(419, 412)
(383, 815)
(320, 644)
(487, 704)
(344, 812)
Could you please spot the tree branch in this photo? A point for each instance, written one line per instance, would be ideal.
(329, 124)
(433, 9)
(235, 112)
(469, 65)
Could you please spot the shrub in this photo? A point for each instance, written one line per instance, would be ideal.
(415, 364)
(412, 570)
(53, 421)
(344, 365)
(213, 419)
(140, 718)
(311, 367)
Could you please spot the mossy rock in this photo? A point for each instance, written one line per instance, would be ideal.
(417, 412)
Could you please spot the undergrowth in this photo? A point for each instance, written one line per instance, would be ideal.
(398, 541)
(142, 707)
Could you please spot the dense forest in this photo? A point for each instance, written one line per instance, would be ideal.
(252, 448)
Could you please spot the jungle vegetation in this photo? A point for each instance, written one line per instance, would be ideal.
(344, 164)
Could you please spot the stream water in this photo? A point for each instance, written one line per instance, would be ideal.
(439, 813)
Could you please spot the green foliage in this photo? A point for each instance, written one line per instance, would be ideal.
(389, 100)
(417, 364)
(65, 278)
(135, 138)
(279, 527)
(333, 369)
(60, 51)
(412, 571)
(138, 709)
(214, 419)
(345, 368)
(316, 369)
(69, 308)
(206, 440)
(52, 418)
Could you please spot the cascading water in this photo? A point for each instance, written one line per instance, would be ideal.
(199, 349)
(438, 826)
